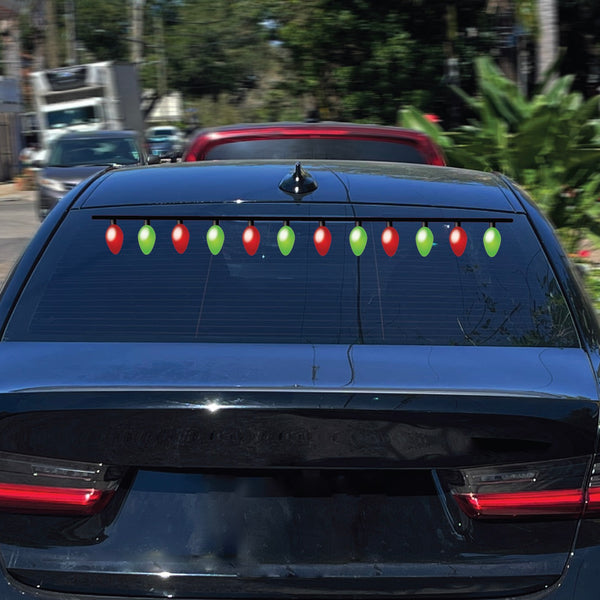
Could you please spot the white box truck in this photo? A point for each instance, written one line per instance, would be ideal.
(101, 95)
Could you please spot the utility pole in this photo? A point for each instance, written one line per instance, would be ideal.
(161, 83)
(70, 31)
(51, 35)
(137, 31)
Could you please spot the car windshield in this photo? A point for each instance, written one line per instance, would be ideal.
(93, 151)
(80, 115)
(80, 291)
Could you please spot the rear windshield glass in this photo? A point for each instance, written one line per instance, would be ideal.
(339, 149)
(93, 151)
(80, 291)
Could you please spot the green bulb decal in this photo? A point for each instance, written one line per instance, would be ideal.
(424, 240)
(358, 240)
(491, 241)
(146, 238)
(285, 239)
(215, 239)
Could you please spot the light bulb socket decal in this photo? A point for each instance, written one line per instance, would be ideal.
(492, 240)
(358, 239)
(251, 238)
(215, 238)
(424, 240)
(286, 238)
(390, 239)
(322, 239)
(458, 239)
(114, 237)
(180, 236)
(146, 237)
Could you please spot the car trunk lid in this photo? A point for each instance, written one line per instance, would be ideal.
(303, 470)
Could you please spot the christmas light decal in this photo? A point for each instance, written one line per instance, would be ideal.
(322, 239)
(286, 238)
(358, 239)
(458, 240)
(180, 236)
(390, 239)
(215, 238)
(114, 237)
(146, 237)
(424, 240)
(251, 238)
(492, 240)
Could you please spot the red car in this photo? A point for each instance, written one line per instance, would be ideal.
(313, 141)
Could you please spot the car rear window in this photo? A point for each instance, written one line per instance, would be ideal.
(317, 148)
(80, 291)
(88, 151)
(162, 132)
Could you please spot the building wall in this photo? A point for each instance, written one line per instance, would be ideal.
(10, 128)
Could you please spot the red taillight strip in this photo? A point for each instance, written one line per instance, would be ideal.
(593, 502)
(34, 498)
(523, 504)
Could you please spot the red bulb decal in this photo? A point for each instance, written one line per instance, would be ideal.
(180, 237)
(322, 240)
(458, 240)
(251, 239)
(114, 238)
(390, 240)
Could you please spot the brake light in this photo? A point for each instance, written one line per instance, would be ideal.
(41, 485)
(592, 506)
(39, 498)
(522, 504)
(542, 489)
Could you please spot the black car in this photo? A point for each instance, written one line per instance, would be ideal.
(75, 156)
(274, 380)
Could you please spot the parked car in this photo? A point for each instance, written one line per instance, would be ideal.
(75, 156)
(165, 141)
(321, 140)
(262, 379)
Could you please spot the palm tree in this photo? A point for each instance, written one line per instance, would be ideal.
(548, 35)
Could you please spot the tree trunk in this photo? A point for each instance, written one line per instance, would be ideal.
(548, 36)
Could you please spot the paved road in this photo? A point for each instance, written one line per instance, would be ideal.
(18, 222)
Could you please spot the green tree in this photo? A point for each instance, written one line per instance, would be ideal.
(216, 47)
(103, 28)
(550, 144)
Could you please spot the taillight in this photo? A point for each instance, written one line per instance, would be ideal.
(543, 489)
(39, 485)
(592, 506)
(522, 504)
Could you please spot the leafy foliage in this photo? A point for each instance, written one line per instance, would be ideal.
(550, 144)
(103, 29)
(216, 47)
(361, 59)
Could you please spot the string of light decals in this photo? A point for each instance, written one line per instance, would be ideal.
(322, 239)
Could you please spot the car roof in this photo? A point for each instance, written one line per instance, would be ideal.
(103, 133)
(342, 182)
(334, 127)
